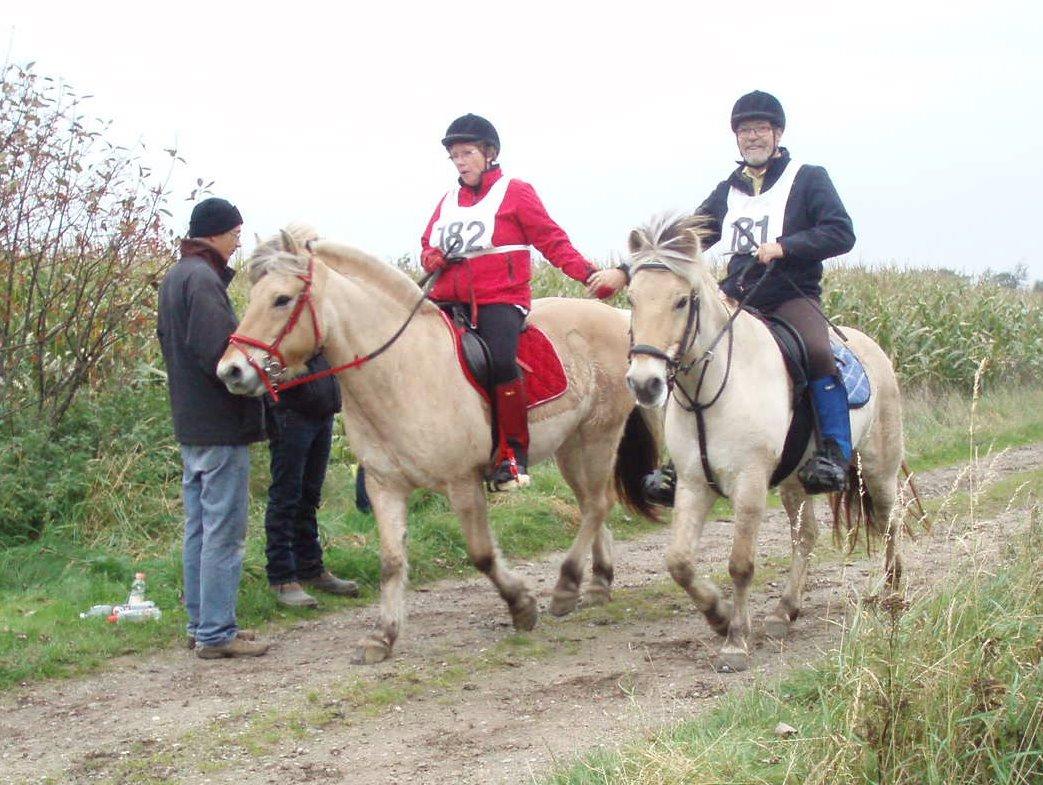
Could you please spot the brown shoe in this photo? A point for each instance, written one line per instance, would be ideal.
(246, 635)
(331, 584)
(293, 596)
(236, 647)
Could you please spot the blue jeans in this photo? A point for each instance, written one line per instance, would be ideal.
(216, 495)
(300, 452)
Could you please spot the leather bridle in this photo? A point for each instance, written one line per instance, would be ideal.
(274, 366)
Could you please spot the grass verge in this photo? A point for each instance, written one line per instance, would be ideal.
(944, 691)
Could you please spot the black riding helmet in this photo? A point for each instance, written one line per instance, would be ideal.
(758, 106)
(471, 128)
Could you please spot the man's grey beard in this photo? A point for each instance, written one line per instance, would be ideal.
(757, 160)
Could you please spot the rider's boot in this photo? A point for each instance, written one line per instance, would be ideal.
(659, 486)
(827, 469)
(509, 469)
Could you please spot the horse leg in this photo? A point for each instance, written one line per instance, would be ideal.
(468, 502)
(691, 506)
(587, 468)
(749, 500)
(390, 509)
(882, 488)
(803, 534)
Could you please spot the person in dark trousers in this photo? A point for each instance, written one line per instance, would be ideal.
(774, 221)
(300, 451)
(213, 427)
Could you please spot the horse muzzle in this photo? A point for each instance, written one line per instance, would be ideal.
(240, 377)
(647, 381)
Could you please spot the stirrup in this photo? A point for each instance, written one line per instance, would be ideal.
(825, 472)
(507, 476)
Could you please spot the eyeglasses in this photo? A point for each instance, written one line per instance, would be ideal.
(460, 155)
(750, 131)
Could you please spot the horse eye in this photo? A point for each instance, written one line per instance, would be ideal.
(282, 300)
(681, 304)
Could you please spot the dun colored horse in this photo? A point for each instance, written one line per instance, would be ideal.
(745, 395)
(414, 420)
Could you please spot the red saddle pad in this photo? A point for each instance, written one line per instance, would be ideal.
(541, 366)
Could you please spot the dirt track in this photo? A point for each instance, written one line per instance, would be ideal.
(464, 700)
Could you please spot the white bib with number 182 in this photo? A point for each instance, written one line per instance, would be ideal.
(468, 231)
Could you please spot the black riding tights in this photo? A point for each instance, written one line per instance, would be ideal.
(500, 324)
(813, 328)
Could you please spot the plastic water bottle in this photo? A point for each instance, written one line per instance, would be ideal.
(142, 612)
(96, 610)
(137, 590)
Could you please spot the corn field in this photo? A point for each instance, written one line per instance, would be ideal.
(937, 327)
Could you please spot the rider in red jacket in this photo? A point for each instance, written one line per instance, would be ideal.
(479, 237)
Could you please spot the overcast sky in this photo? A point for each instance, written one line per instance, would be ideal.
(927, 115)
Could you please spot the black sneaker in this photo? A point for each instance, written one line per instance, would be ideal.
(659, 486)
(825, 471)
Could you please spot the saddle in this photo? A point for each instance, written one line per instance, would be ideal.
(541, 367)
(795, 356)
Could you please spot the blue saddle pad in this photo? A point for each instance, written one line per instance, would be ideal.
(854, 375)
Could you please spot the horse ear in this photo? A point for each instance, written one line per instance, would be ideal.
(635, 241)
(257, 239)
(288, 243)
(693, 244)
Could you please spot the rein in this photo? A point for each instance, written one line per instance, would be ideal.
(275, 366)
(676, 367)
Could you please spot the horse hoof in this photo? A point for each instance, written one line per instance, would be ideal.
(369, 651)
(563, 603)
(596, 595)
(776, 627)
(523, 613)
(731, 662)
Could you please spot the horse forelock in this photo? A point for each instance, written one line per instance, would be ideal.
(676, 242)
(271, 255)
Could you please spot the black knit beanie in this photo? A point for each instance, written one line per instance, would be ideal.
(212, 217)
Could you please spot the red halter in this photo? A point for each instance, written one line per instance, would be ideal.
(274, 363)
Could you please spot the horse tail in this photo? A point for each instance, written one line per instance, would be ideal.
(853, 509)
(636, 456)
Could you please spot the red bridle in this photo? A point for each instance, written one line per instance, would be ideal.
(274, 363)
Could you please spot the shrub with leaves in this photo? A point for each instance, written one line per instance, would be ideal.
(82, 244)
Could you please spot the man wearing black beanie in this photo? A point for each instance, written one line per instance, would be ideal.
(213, 427)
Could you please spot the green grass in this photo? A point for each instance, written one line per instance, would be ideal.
(44, 584)
(946, 692)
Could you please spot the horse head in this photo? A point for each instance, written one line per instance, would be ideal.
(668, 278)
(282, 327)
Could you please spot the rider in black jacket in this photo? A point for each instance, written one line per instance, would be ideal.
(776, 219)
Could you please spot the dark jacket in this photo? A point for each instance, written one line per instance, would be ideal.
(195, 320)
(317, 399)
(815, 226)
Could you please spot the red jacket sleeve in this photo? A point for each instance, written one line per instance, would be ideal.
(546, 236)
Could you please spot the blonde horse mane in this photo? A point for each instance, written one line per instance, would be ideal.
(288, 253)
(677, 242)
